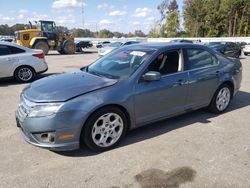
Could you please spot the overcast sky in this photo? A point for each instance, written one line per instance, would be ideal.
(115, 15)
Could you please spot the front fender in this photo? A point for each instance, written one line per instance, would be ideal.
(33, 40)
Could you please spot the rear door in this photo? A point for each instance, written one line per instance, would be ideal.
(202, 67)
(8, 59)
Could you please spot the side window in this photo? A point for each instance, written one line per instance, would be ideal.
(4, 50)
(198, 58)
(15, 50)
(26, 37)
(166, 63)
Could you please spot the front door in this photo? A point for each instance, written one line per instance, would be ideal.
(158, 99)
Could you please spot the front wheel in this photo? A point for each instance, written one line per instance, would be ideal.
(42, 45)
(105, 129)
(69, 47)
(24, 74)
(221, 99)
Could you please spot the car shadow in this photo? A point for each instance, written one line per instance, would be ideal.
(5, 82)
(241, 100)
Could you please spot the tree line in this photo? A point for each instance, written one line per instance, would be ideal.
(104, 33)
(199, 18)
(203, 18)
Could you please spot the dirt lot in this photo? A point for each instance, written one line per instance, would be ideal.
(194, 150)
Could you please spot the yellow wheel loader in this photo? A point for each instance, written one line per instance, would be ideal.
(46, 37)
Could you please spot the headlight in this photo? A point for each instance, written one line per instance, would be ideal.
(44, 110)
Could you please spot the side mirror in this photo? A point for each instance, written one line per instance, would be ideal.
(151, 76)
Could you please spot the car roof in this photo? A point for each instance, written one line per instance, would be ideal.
(163, 45)
(15, 45)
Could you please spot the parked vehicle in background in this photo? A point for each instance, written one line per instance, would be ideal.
(45, 36)
(114, 45)
(7, 39)
(130, 87)
(246, 49)
(81, 45)
(181, 41)
(102, 44)
(241, 44)
(229, 49)
(20, 62)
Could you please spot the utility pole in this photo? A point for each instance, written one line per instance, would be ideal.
(82, 14)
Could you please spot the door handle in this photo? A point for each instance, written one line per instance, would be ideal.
(217, 73)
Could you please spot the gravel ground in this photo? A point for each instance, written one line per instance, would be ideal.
(197, 149)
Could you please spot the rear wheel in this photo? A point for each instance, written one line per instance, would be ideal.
(69, 47)
(42, 45)
(24, 74)
(245, 53)
(221, 99)
(104, 129)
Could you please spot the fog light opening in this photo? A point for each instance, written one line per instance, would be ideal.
(47, 137)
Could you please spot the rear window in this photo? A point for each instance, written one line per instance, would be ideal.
(199, 58)
(15, 50)
(4, 50)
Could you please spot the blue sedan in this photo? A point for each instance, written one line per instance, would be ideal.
(130, 87)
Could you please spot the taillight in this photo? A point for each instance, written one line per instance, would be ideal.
(40, 56)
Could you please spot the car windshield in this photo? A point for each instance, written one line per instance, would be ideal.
(120, 64)
(115, 44)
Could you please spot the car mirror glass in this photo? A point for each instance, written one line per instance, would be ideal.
(152, 76)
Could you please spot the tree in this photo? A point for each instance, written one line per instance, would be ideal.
(172, 24)
(155, 30)
(139, 33)
(104, 33)
(83, 33)
(163, 8)
(173, 6)
(194, 15)
(216, 18)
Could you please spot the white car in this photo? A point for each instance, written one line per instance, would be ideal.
(105, 50)
(20, 62)
(246, 49)
(114, 45)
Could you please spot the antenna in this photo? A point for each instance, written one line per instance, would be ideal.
(82, 14)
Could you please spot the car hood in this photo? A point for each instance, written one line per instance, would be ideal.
(62, 87)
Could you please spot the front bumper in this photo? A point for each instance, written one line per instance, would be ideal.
(31, 127)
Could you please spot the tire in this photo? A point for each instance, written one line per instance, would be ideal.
(245, 53)
(24, 74)
(221, 99)
(42, 45)
(101, 136)
(69, 47)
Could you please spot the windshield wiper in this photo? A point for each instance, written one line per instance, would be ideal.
(101, 74)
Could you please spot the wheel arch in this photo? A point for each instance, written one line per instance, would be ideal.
(122, 108)
(37, 39)
(23, 66)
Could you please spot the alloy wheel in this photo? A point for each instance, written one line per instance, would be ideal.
(107, 129)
